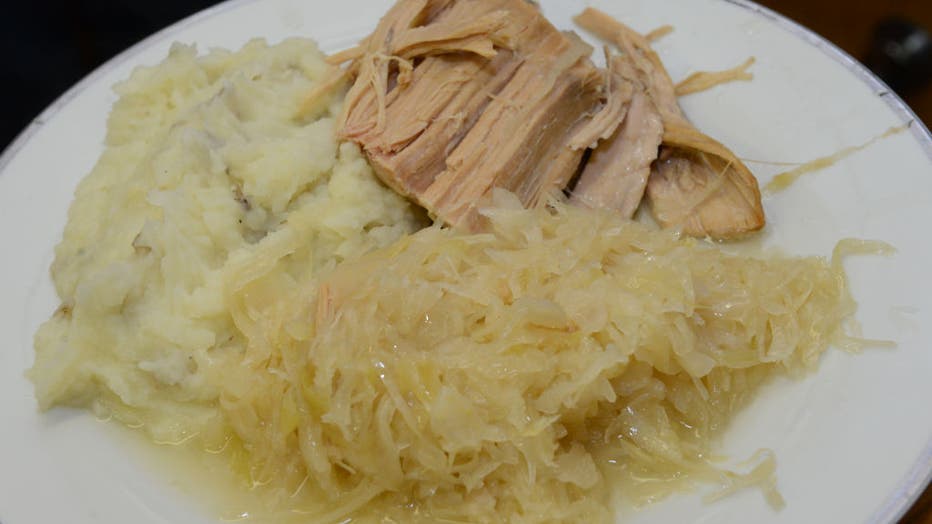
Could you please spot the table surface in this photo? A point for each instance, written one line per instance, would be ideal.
(921, 513)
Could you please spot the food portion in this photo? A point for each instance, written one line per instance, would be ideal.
(207, 182)
(446, 120)
(526, 366)
(454, 99)
(234, 275)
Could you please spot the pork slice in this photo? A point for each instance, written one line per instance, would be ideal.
(617, 93)
(414, 29)
(372, 72)
(426, 117)
(521, 142)
(704, 196)
(474, 95)
(433, 116)
(476, 36)
(618, 169)
(700, 186)
(639, 60)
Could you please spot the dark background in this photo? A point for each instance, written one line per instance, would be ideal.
(51, 44)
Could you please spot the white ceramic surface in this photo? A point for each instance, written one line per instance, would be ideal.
(852, 441)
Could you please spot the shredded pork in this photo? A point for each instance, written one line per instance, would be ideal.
(493, 98)
(617, 172)
(705, 80)
(453, 98)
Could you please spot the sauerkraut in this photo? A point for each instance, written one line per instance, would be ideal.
(502, 376)
(232, 276)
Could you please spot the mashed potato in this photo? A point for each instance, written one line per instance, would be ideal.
(233, 276)
(213, 169)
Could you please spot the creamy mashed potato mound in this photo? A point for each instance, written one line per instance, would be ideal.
(215, 172)
(234, 277)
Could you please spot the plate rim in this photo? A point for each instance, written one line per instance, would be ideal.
(911, 485)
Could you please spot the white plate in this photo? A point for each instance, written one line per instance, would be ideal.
(853, 441)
